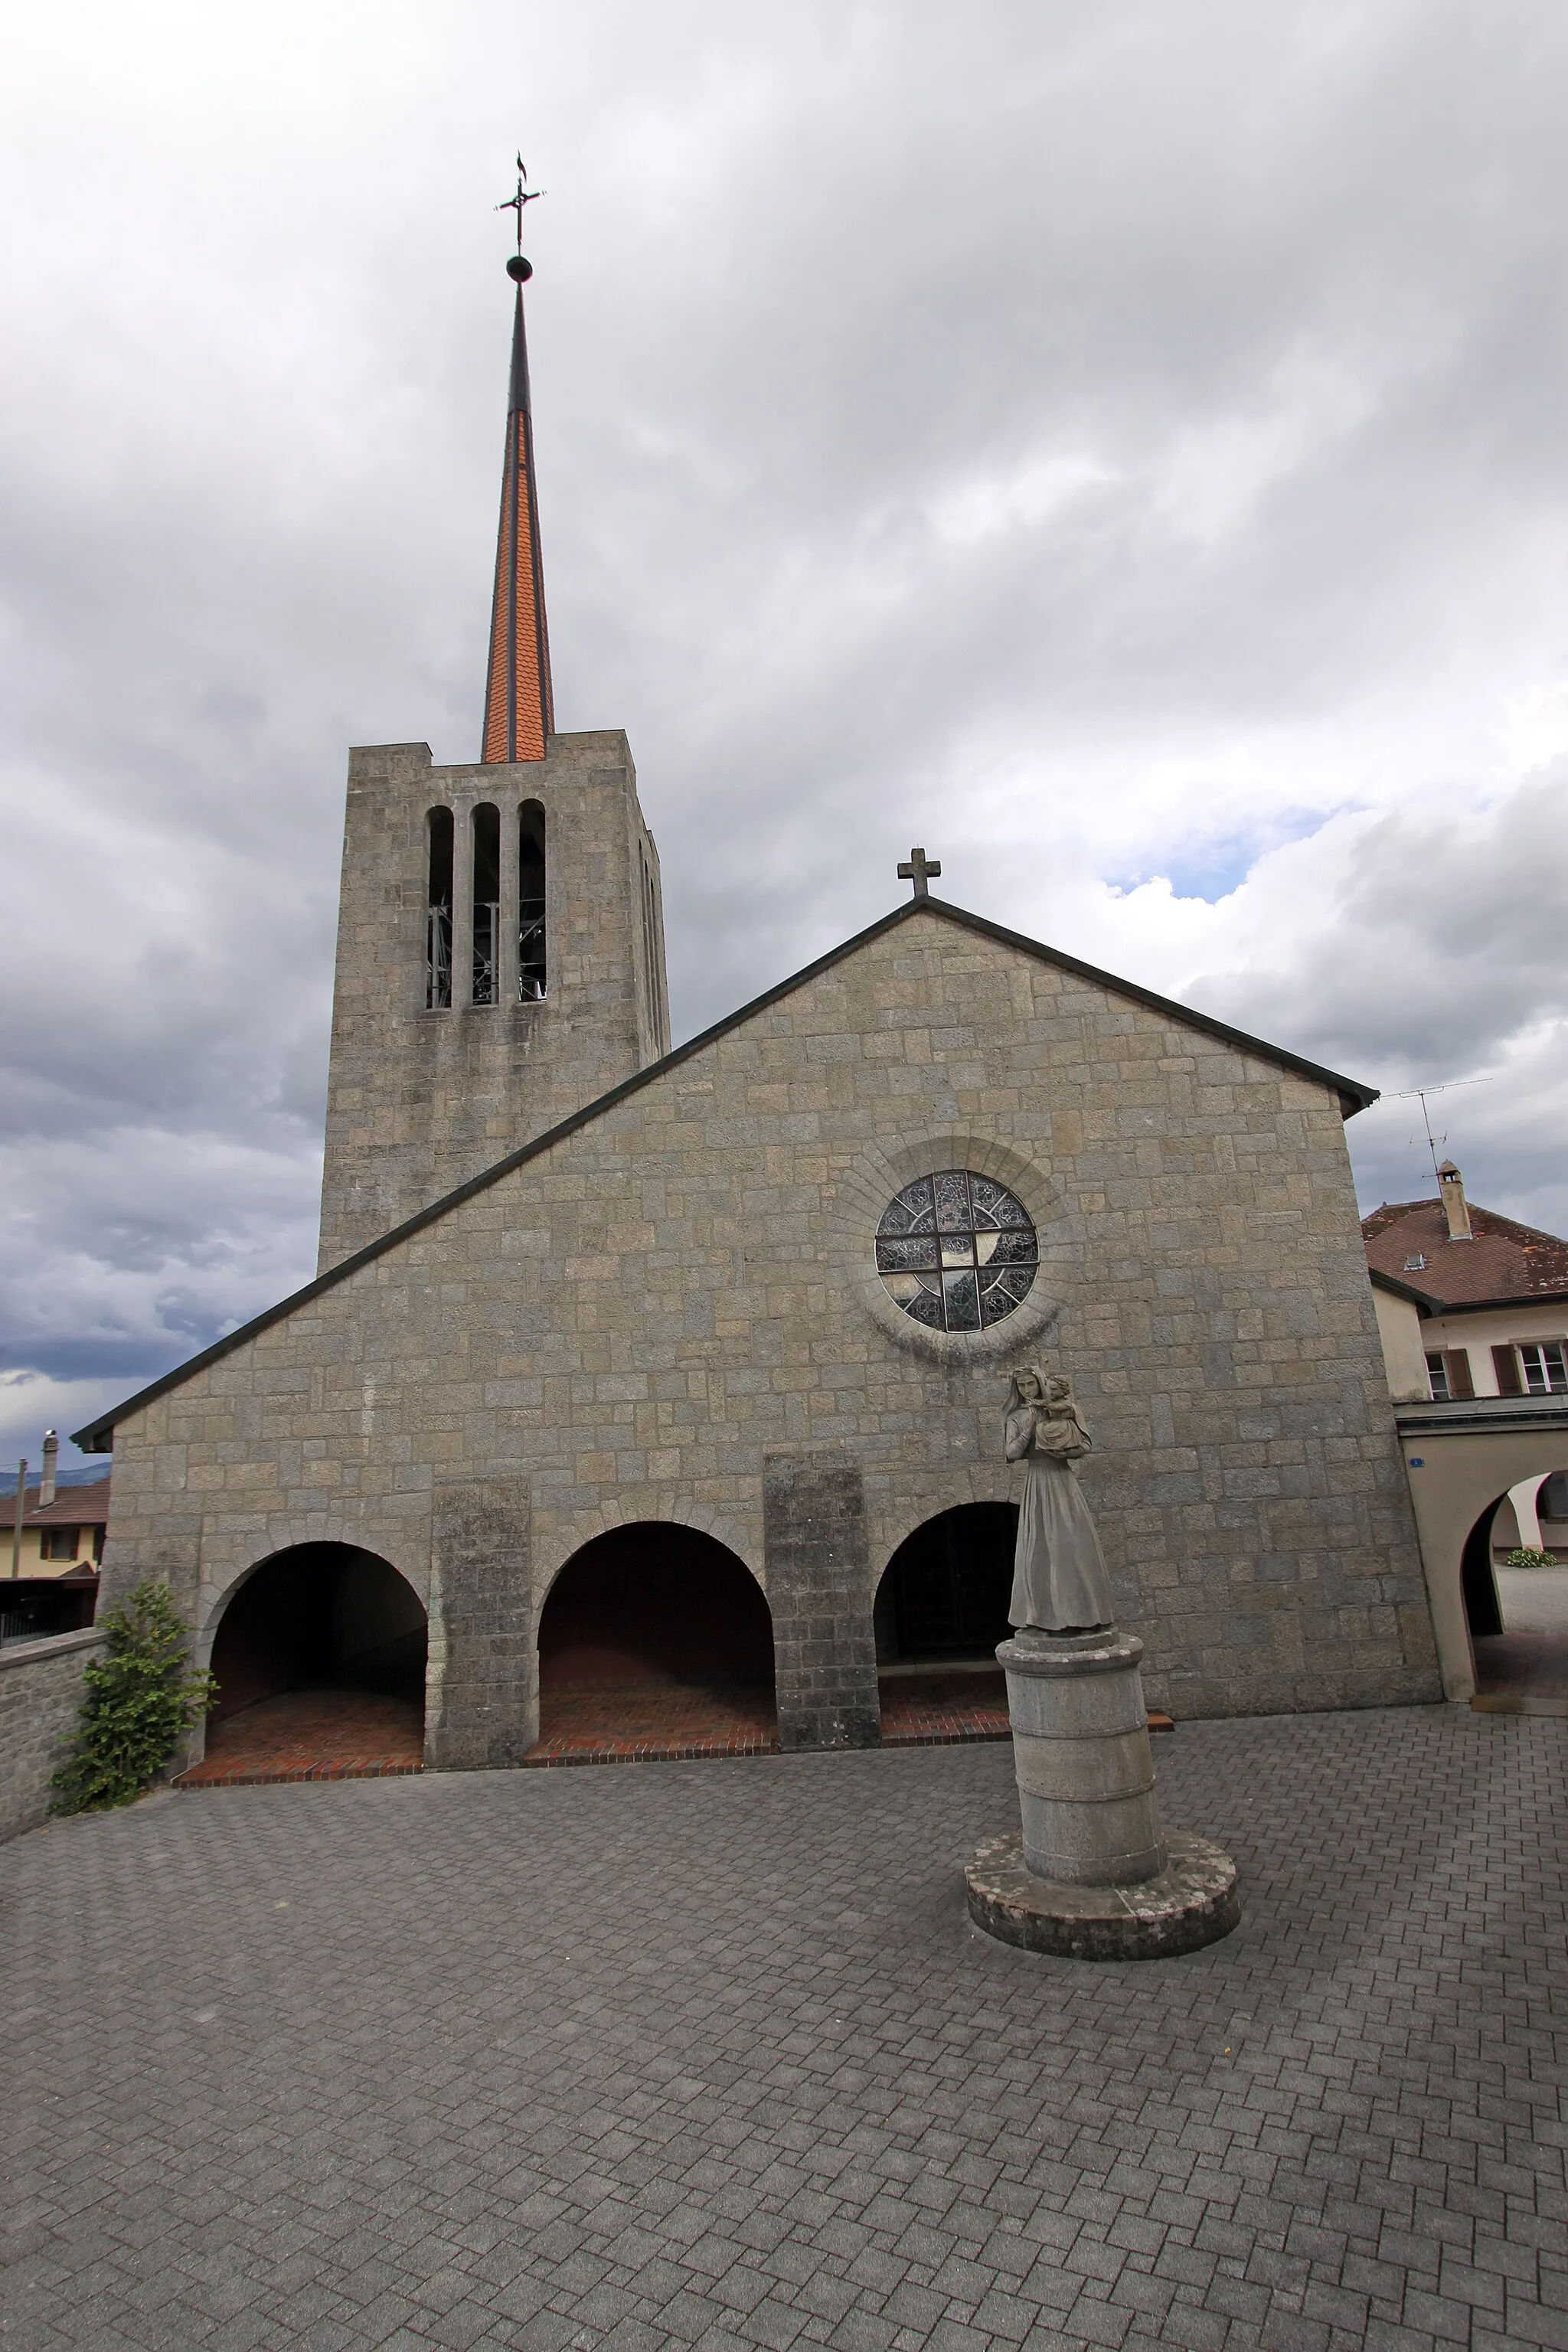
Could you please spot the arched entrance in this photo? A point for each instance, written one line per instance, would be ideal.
(1483, 1472)
(655, 1639)
(1518, 1616)
(319, 1661)
(941, 1610)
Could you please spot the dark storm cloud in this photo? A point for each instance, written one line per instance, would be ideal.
(1104, 444)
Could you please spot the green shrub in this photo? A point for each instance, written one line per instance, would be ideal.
(1528, 1557)
(140, 1696)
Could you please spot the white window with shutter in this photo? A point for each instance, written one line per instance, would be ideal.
(1544, 1365)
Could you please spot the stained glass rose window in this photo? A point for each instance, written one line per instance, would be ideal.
(957, 1251)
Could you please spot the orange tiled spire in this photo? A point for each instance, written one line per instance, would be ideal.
(520, 715)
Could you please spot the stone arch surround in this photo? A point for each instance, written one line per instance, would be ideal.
(568, 1535)
(894, 1513)
(315, 1631)
(216, 1591)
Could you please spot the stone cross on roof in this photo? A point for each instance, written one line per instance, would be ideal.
(919, 869)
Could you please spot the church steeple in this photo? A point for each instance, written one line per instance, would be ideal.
(520, 715)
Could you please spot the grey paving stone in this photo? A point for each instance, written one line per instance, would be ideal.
(710, 2056)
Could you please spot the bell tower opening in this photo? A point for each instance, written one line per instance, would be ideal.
(438, 911)
(487, 904)
(532, 940)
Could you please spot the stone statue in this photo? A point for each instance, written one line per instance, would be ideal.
(1059, 1583)
(1091, 1873)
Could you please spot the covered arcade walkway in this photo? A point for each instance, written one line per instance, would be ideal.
(320, 1659)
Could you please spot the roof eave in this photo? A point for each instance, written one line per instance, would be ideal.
(1513, 1300)
(1407, 1290)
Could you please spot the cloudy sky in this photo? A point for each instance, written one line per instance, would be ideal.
(1116, 443)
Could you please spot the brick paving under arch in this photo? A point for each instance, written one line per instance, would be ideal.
(331, 1735)
(654, 1722)
(687, 2056)
(312, 1735)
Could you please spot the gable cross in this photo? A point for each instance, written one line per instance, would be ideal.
(918, 869)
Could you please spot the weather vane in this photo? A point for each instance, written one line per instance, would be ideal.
(518, 268)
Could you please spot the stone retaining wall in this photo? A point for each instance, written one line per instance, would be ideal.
(40, 1698)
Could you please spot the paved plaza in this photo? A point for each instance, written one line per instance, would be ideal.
(1528, 1659)
(708, 2054)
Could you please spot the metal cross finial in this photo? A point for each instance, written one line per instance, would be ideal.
(525, 196)
(918, 869)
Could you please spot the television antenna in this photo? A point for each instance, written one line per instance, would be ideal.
(1420, 1094)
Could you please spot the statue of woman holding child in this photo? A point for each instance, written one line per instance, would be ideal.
(1059, 1581)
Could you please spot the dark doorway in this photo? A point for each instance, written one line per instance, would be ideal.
(946, 1588)
(1477, 1578)
(655, 1639)
(319, 1663)
(941, 1609)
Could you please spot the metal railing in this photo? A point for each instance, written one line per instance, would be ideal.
(438, 958)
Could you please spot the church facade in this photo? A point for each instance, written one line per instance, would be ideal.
(682, 1353)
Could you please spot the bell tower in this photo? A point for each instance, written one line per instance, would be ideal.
(501, 927)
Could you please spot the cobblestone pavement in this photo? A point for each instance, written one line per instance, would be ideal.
(708, 2054)
(1530, 1657)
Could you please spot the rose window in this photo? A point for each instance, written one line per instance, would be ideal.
(957, 1251)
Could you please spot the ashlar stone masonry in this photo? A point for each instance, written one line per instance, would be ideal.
(666, 1308)
(419, 1101)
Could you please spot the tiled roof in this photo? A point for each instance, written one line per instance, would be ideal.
(520, 715)
(74, 1507)
(1504, 1260)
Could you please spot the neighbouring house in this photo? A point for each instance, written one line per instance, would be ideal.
(62, 1527)
(48, 1580)
(1473, 1312)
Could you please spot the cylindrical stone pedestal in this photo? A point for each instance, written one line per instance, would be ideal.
(1081, 1745)
(1094, 1876)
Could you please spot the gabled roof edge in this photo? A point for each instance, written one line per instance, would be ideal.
(1352, 1095)
(1405, 1290)
(104, 1423)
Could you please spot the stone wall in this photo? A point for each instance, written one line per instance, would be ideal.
(40, 1699)
(487, 1671)
(418, 1101)
(662, 1308)
(824, 1658)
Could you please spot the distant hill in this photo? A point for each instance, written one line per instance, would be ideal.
(81, 1474)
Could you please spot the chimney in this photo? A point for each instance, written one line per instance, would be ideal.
(17, 1517)
(1451, 1191)
(46, 1476)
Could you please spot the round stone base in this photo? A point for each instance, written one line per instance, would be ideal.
(1193, 1902)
